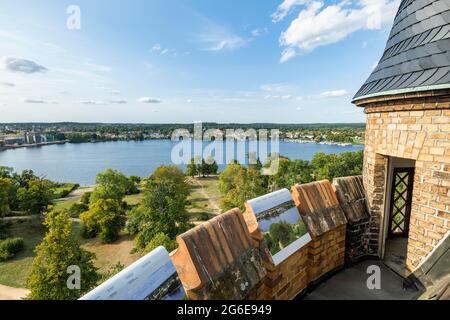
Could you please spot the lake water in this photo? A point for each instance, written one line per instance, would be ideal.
(80, 163)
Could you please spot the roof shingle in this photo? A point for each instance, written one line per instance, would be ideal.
(417, 54)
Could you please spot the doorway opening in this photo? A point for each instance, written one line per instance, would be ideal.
(398, 213)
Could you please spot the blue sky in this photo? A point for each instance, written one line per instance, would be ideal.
(291, 61)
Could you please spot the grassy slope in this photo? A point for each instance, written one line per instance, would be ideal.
(204, 199)
(14, 272)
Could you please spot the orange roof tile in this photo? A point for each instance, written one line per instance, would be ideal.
(216, 260)
(319, 207)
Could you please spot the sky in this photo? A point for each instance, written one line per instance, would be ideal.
(180, 61)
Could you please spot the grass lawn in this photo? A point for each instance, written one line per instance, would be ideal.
(14, 272)
(204, 198)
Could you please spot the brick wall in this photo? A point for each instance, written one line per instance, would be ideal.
(417, 127)
(221, 259)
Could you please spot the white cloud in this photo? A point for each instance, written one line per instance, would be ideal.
(278, 97)
(38, 101)
(278, 87)
(222, 42)
(8, 84)
(319, 25)
(259, 32)
(284, 9)
(94, 102)
(118, 101)
(156, 47)
(299, 108)
(334, 93)
(189, 100)
(165, 51)
(21, 65)
(149, 100)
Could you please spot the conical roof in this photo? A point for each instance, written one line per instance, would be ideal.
(417, 54)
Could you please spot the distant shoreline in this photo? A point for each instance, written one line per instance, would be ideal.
(43, 144)
(35, 145)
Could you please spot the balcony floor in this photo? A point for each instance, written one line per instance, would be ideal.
(351, 284)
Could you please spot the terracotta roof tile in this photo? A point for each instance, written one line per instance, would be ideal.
(319, 207)
(351, 195)
(216, 260)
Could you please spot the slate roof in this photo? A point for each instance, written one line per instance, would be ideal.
(417, 54)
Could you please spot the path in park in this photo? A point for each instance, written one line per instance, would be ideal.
(212, 201)
(10, 293)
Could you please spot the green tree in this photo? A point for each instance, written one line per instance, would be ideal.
(172, 174)
(330, 166)
(5, 191)
(37, 197)
(57, 252)
(161, 239)
(238, 184)
(162, 210)
(105, 219)
(86, 198)
(111, 184)
(192, 168)
(290, 173)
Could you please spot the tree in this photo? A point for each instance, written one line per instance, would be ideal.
(211, 166)
(172, 174)
(104, 219)
(161, 239)
(5, 191)
(330, 166)
(86, 198)
(37, 197)
(6, 172)
(238, 184)
(192, 168)
(23, 180)
(162, 210)
(290, 173)
(111, 184)
(57, 252)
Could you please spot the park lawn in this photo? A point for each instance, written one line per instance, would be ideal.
(64, 190)
(66, 204)
(15, 271)
(204, 198)
(134, 199)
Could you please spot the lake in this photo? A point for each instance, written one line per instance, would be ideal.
(79, 163)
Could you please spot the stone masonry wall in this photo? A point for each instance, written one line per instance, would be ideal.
(417, 129)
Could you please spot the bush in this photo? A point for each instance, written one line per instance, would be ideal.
(3, 230)
(161, 239)
(77, 208)
(10, 247)
(86, 198)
